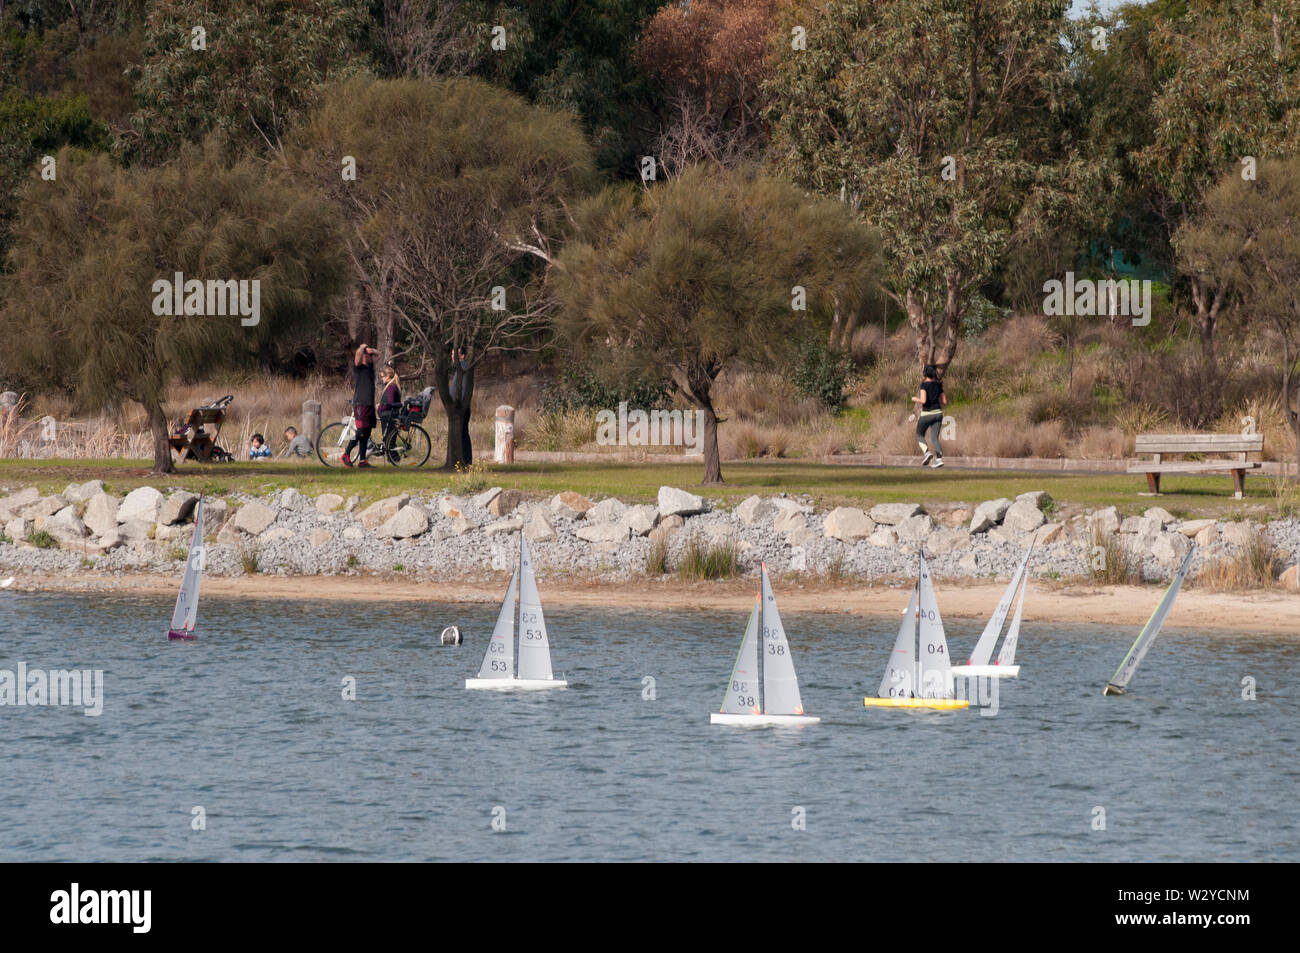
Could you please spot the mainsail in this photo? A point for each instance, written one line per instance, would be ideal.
(935, 670)
(499, 659)
(534, 649)
(1008, 654)
(780, 686)
(900, 674)
(742, 691)
(1149, 631)
(187, 600)
(983, 651)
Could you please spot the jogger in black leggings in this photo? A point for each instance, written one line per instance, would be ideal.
(929, 417)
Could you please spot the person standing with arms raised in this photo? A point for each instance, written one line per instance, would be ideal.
(363, 404)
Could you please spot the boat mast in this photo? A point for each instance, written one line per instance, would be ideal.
(518, 612)
(762, 641)
(916, 654)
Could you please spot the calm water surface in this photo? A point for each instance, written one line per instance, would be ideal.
(249, 723)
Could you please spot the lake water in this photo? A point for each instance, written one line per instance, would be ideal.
(249, 723)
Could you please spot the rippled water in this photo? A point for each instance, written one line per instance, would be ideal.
(249, 723)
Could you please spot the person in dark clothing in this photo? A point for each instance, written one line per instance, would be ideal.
(929, 416)
(390, 400)
(458, 386)
(363, 404)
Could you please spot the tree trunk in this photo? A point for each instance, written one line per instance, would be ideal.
(924, 327)
(162, 451)
(712, 459)
(457, 411)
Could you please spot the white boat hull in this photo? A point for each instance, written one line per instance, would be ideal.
(987, 671)
(758, 721)
(516, 684)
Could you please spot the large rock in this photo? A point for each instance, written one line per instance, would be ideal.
(216, 514)
(17, 528)
(81, 492)
(570, 505)
(460, 526)
(252, 518)
(948, 540)
(407, 522)
(914, 529)
(452, 507)
(1104, 523)
(44, 507)
(379, 513)
(1208, 536)
(969, 564)
(321, 536)
(1238, 534)
(606, 511)
(603, 532)
(1290, 578)
(1160, 515)
(328, 502)
(1170, 548)
(505, 502)
(135, 532)
(538, 529)
(177, 507)
(500, 527)
(354, 533)
(1193, 527)
(14, 502)
(279, 533)
(787, 520)
(989, 514)
(883, 536)
(481, 500)
(891, 514)
(783, 504)
(1049, 533)
(1038, 498)
(144, 503)
(1023, 517)
(101, 514)
(109, 541)
(640, 520)
(675, 502)
(754, 509)
(291, 499)
(847, 523)
(800, 536)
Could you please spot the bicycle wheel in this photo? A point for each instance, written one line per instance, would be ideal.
(408, 446)
(330, 444)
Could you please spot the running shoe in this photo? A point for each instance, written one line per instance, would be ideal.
(927, 458)
(347, 460)
(366, 464)
(937, 463)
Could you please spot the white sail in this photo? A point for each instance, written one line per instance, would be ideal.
(1151, 629)
(983, 651)
(499, 659)
(1008, 654)
(780, 686)
(742, 696)
(935, 679)
(534, 648)
(900, 673)
(187, 600)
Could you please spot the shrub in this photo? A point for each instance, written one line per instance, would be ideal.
(822, 374)
(1115, 564)
(656, 558)
(43, 540)
(1254, 566)
(703, 560)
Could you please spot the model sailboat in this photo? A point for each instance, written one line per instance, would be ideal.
(1003, 666)
(187, 600)
(498, 668)
(1118, 683)
(919, 674)
(773, 698)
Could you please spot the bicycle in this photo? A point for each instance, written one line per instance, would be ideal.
(404, 442)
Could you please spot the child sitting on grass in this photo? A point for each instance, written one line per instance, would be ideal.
(258, 450)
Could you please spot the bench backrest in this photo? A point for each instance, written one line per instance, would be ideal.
(1198, 443)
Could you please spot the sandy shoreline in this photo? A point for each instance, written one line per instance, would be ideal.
(1272, 612)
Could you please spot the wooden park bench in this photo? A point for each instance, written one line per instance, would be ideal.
(1200, 443)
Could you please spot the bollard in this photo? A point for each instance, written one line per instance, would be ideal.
(505, 435)
(311, 420)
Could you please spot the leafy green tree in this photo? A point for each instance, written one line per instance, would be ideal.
(705, 271)
(1244, 240)
(459, 194)
(1229, 88)
(262, 64)
(79, 298)
(944, 122)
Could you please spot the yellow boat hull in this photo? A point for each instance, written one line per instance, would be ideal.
(938, 704)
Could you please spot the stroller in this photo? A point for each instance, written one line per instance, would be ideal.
(195, 438)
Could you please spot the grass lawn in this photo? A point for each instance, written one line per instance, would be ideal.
(828, 484)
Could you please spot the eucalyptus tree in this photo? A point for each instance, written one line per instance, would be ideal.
(705, 271)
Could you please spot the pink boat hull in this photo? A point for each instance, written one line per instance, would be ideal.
(186, 636)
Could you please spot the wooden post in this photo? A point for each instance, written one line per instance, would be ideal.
(505, 435)
(311, 420)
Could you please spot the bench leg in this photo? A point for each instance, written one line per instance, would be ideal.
(1238, 483)
(1153, 482)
